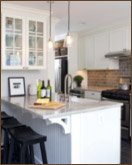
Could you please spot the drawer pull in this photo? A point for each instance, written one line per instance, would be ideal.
(92, 93)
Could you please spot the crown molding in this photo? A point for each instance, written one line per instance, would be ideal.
(6, 6)
(17, 8)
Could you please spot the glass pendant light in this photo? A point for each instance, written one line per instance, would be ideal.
(50, 42)
(68, 40)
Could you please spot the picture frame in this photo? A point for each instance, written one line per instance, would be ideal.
(16, 86)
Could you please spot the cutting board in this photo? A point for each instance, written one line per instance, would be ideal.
(51, 106)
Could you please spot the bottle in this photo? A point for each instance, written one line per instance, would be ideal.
(43, 90)
(39, 89)
(49, 91)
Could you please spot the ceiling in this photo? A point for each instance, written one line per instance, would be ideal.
(85, 15)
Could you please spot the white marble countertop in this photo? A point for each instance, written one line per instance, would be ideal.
(75, 106)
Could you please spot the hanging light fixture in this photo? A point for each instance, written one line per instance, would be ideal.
(68, 39)
(50, 42)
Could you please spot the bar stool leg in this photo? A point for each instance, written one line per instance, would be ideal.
(43, 152)
(5, 148)
(22, 155)
(31, 154)
(2, 138)
(28, 155)
(11, 150)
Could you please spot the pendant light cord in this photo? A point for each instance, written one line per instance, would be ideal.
(68, 17)
(50, 20)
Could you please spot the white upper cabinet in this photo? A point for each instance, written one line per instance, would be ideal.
(101, 48)
(23, 41)
(129, 38)
(89, 53)
(13, 48)
(120, 39)
(96, 45)
(35, 44)
(81, 59)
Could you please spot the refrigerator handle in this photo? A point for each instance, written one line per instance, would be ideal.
(59, 80)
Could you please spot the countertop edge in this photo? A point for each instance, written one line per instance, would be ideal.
(57, 114)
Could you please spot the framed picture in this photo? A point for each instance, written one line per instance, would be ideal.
(16, 86)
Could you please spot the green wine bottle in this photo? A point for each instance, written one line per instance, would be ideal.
(39, 89)
(43, 90)
(49, 91)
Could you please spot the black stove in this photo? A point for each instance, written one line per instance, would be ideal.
(116, 94)
(123, 96)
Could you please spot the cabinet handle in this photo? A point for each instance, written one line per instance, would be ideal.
(92, 93)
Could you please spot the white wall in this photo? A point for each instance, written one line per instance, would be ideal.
(30, 77)
(84, 74)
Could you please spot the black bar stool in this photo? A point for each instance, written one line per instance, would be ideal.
(6, 124)
(26, 137)
(4, 115)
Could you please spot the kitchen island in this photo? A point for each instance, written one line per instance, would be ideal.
(83, 132)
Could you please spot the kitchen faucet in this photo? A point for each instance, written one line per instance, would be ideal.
(67, 89)
(66, 78)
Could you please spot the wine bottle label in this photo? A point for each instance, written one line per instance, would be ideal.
(43, 92)
(48, 92)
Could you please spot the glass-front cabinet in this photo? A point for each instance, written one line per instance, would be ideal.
(12, 43)
(22, 43)
(35, 44)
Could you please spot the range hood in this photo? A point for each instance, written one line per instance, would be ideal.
(120, 54)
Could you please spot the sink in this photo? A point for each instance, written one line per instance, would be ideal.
(82, 100)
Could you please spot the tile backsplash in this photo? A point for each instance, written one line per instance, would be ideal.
(110, 78)
(125, 68)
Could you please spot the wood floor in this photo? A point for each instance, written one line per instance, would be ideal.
(126, 152)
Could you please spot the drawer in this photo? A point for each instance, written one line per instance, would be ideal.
(93, 95)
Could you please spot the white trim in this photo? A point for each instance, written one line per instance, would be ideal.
(19, 8)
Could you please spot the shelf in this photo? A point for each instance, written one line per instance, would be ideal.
(59, 57)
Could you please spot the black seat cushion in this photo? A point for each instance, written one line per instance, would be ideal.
(4, 115)
(25, 135)
(9, 123)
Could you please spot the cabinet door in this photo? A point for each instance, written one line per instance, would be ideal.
(35, 41)
(81, 54)
(12, 42)
(129, 38)
(89, 53)
(101, 48)
(118, 40)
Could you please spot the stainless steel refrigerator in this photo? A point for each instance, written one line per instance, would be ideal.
(61, 69)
